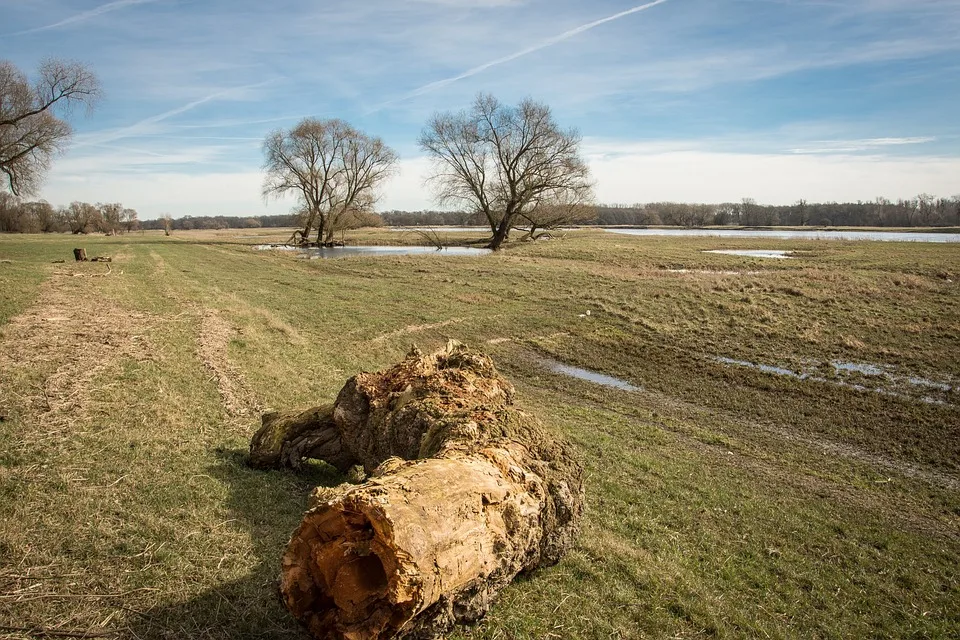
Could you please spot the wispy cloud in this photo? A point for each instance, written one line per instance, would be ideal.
(86, 15)
(854, 146)
(145, 126)
(543, 44)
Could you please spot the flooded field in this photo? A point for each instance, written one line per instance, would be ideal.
(791, 234)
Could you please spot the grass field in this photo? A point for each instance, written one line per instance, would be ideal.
(723, 500)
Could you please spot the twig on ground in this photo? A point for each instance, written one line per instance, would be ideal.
(39, 632)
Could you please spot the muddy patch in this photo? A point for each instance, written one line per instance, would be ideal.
(861, 376)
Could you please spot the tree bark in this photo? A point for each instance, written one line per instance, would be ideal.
(466, 492)
(501, 233)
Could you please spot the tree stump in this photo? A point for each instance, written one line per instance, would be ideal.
(80, 255)
(466, 491)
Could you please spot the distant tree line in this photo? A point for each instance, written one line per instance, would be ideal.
(922, 211)
(18, 216)
(39, 216)
(428, 218)
(187, 223)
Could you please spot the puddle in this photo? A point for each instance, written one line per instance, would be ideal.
(766, 368)
(854, 367)
(586, 374)
(754, 253)
(895, 385)
(923, 382)
(873, 370)
(347, 252)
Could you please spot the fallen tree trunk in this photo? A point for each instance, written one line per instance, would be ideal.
(466, 492)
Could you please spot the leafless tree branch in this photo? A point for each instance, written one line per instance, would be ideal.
(31, 132)
(505, 162)
(332, 168)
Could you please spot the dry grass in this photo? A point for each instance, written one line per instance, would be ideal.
(723, 500)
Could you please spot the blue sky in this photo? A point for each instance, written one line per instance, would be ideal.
(687, 100)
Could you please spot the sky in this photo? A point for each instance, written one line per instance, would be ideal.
(682, 100)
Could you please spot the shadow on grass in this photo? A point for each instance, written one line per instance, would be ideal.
(270, 505)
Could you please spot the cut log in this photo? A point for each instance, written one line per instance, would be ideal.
(466, 492)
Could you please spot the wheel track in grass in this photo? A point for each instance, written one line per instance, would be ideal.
(214, 333)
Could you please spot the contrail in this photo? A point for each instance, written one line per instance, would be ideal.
(549, 42)
(138, 127)
(86, 15)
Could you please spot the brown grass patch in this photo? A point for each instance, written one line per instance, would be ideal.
(61, 344)
(212, 343)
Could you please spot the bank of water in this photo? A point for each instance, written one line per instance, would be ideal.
(793, 234)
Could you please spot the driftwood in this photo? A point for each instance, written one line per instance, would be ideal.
(466, 491)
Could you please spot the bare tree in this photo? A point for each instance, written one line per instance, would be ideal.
(82, 217)
(43, 217)
(503, 161)
(31, 132)
(333, 169)
(749, 212)
(571, 206)
(10, 213)
(130, 220)
(111, 218)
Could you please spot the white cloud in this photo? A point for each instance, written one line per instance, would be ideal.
(702, 176)
(153, 194)
(852, 146)
(632, 173)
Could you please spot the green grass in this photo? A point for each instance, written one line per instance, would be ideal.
(722, 501)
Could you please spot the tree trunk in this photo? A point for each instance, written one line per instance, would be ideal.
(500, 235)
(466, 492)
(80, 255)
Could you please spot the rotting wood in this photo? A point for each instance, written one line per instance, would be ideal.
(466, 491)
